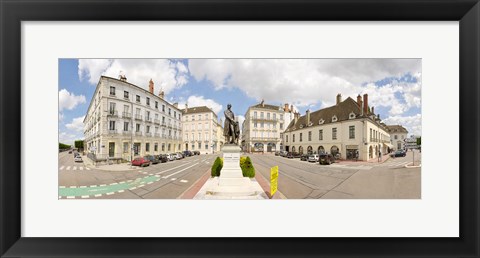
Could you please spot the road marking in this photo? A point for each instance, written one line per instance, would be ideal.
(103, 185)
(114, 184)
(140, 186)
(62, 186)
(73, 187)
(75, 168)
(87, 168)
(149, 183)
(98, 195)
(173, 179)
(83, 186)
(181, 170)
(110, 193)
(85, 196)
(161, 172)
(183, 181)
(70, 197)
(81, 168)
(121, 191)
(133, 188)
(62, 167)
(68, 168)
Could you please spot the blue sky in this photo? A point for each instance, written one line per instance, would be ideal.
(393, 85)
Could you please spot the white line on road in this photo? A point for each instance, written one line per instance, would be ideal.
(81, 168)
(62, 167)
(183, 181)
(87, 168)
(173, 179)
(68, 168)
(85, 196)
(98, 195)
(110, 193)
(180, 170)
(74, 168)
(172, 168)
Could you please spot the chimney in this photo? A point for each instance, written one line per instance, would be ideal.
(291, 108)
(296, 115)
(263, 105)
(373, 110)
(161, 94)
(186, 107)
(339, 98)
(150, 86)
(365, 104)
(360, 104)
(286, 107)
(308, 117)
(175, 104)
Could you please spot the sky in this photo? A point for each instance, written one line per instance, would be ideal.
(393, 85)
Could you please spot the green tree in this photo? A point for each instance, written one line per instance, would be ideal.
(79, 144)
(247, 168)
(63, 146)
(216, 167)
(419, 141)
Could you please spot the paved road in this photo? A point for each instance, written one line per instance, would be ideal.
(160, 181)
(304, 180)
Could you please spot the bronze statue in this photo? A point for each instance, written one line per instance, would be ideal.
(231, 131)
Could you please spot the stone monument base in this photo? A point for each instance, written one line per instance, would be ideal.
(231, 184)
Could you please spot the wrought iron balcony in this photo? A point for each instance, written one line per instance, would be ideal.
(138, 133)
(126, 115)
(148, 134)
(148, 119)
(138, 117)
(156, 121)
(112, 131)
(112, 113)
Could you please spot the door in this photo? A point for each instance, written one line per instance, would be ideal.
(111, 149)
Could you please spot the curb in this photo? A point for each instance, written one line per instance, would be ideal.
(195, 188)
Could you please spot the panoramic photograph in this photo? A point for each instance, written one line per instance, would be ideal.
(239, 129)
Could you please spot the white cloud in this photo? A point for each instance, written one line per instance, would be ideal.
(240, 121)
(60, 116)
(300, 81)
(196, 101)
(67, 100)
(76, 124)
(68, 138)
(412, 123)
(167, 74)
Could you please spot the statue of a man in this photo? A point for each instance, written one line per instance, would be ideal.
(230, 130)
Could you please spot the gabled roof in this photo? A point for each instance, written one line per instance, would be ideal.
(194, 110)
(397, 129)
(267, 106)
(341, 111)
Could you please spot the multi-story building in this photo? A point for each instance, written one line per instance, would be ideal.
(200, 129)
(398, 134)
(263, 127)
(124, 121)
(347, 128)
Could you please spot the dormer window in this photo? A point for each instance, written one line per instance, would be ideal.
(334, 118)
(321, 121)
(351, 116)
(301, 126)
(310, 124)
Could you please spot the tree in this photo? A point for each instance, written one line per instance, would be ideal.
(419, 141)
(63, 146)
(79, 144)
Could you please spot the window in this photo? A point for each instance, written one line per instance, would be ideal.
(403, 137)
(351, 132)
(155, 147)
(156, 104)
(274, 116)
(163, 108)
(199, 146)
(255, 125)
(148, 101)
(193, 137)
(175, 114)
(371, 134)
(186, 137)
(148, 128)
(169, 111)
(125, 147)
(261, 114)
(199, 117)
(301, 134)
(206, 136)
(286, 138)
(147, 115)
(310, 136)
(147, 146)
(334, 133)
(200, 126)
(207, 126)
(137, 127)
(281, 126)
(112, 125)
(125, 94)
(206, 116)
(163, 146)
(138, 98)
(255, 114)
(137, 111)
(396, 137)
(112, 90)
(125, 126)
(199, 137)
(206, 146)
(293, 138)
(320, 135)
(268, 115)
(169, 146)
(281, 117)
(261, 125)
(112, 108)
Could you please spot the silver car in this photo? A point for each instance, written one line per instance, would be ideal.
(313, 158)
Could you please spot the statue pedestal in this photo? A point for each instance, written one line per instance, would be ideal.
(231, 184)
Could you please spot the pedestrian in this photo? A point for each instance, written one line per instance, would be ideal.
(356, 155)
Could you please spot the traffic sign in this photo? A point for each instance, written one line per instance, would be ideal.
(273, 180)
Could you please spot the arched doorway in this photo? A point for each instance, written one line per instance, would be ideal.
(321, 149)
(334, 150)
(309, 150)
(370, 152)
(258, 146)
(300, 150)
(271, 147)
(293, 148)
(281, 146)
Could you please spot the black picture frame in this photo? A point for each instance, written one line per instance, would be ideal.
(12, 13)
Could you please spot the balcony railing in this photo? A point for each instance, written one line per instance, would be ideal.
(264, 139)
(156, 121)
(112, 131)
(157, 135)
(126, 115)
(112, 113)
(164, 124)
(264, 118)
(138, 133)
(164, 136)
(169, 126)
(148, 134)
(138, 117)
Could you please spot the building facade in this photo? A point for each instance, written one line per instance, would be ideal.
(263, 127)
(348, 128)
(200, 128)
(398, 134)
(125, 121)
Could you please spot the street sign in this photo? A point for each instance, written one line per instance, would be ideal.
(273, 180)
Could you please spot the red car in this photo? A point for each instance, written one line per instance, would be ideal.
(141, 162)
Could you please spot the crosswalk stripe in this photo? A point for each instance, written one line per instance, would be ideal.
(74, 168)
(81, 168)
(87, 168)
(68, 168)
(62, 167)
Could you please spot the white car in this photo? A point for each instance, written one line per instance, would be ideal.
(313, 158)
(78, 158)
(171, 157)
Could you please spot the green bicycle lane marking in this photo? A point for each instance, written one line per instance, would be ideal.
(94, 190)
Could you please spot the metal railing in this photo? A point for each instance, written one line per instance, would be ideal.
(126, 115)
(138, 117)
(264, 118)
(138, 133)
(148, 119)
(112, 113)
(148, 134)
(156, 121)
(112, 131)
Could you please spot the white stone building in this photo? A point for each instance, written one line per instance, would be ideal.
(398, 134)
(200, 129)
(123, 116)
(345, 128)
(263, 127)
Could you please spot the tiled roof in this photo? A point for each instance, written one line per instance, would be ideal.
(396, 129)
(193, 110)
(341, 111)
(267, 106)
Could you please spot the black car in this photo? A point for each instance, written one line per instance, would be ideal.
(289, 155)
(304, 157)
(196, 152)
(187, 153)
(152, 159)
(398, 153)
(326, 159)
(277, 153)
(162, 158)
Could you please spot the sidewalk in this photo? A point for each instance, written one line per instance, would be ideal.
(113, 167)
(370, 161)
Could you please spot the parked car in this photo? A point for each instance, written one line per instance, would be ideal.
(162, 158)
(296, 155)
(283, 153)
(170, 157)
(78, 158)
(304, 157)
(69, 152)
(326, 159)
(398, 153)
(196, 152)
(277, 153)
(187, 153)
(152, 159)
(313, 158)
(289, 155)
(141, 162)
(179, 155)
